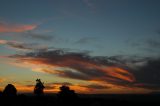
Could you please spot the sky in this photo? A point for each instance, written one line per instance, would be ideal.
(93, 46)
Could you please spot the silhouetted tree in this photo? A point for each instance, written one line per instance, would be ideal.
(0, 93)
(66, 94)
(38, 90)
(9, 90)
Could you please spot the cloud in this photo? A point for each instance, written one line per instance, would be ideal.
(144, 69)
(5, 27)
(126, 71)
(150, 45)
(22, 46)
(79, 66)
(148, 74)
(96, 86)
(38, 36)
(61, 83)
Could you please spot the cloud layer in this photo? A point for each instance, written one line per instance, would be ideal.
(80, 66)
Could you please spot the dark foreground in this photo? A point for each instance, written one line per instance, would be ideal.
(82, 100)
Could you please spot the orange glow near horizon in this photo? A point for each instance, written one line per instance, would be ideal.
(54, 88)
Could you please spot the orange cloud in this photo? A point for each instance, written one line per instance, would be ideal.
(120, 73)
(4, 27)
(83, 70)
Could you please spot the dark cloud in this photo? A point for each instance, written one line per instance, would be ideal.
(62, 83)
(149, 74)
(149, 45)
(73, 75)
(23, 46)
(152, 43)
(38, 36)
(94, 86)
(20, 45)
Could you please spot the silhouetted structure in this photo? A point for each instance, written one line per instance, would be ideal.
(66, 94)
(9, 90)
(38, 90)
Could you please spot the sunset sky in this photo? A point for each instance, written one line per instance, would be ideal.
(93, 46)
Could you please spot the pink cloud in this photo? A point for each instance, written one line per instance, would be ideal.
(5, 27)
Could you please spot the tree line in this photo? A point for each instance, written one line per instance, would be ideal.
(65, 92)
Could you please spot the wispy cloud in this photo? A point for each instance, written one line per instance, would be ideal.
(153, 43)
(96, 86)
(23, 46)
(37, 36)
(7, 27)
(150, 45)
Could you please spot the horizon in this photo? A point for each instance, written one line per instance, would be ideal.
(93, 46)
